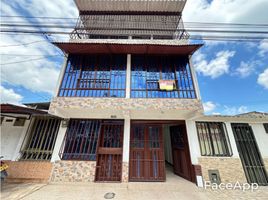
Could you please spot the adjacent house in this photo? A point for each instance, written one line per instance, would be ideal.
(131, 108)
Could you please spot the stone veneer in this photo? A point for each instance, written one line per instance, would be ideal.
(125, 172)
(79, 171)
(124, 104)
(230, 169)
(73, 171)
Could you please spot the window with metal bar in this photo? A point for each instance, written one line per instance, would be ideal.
(94, 76)
(80, 140)
(213, 139)
(266, 127)
(147, 71)
(41, 138)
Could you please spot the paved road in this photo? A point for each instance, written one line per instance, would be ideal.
(131, 191)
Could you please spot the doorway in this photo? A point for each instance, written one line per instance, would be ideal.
(157, 146)
(109, 152)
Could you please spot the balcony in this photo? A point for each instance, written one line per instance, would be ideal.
(123, 25)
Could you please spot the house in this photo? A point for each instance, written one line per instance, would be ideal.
(19, 125)
(131, 108)
(130, 100)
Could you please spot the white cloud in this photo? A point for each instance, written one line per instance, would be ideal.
(263, 48)
(37, 75)
(225, 11)
(246, 68)
(233, 110)
(233, 11)
(215, 67)
(209, 106)
(263, 79)
(10, 96)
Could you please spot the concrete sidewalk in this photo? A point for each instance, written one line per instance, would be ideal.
(125, 191)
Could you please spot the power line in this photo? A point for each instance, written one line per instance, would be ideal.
(10, 63)
(28, 43)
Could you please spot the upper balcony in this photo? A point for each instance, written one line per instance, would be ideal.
(124, 19)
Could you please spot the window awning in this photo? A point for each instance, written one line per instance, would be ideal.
(110, 48)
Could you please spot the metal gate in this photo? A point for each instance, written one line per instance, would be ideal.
(147, 161)
(249, 153)
(109, 152)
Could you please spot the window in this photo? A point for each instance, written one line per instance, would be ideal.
(213, 139)
(147, 71)
(80, 141)
(41, 139)
(266, 127)
(94, 76)
(2, 119)
(19, 122)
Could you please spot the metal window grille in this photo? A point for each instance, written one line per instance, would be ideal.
(41, 139)
(213, 139)
(266, 127)
(148, 70)
(94, 76)
(250, 154)
(80, 140)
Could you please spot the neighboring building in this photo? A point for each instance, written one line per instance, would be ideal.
(131, 108)
(28, 134)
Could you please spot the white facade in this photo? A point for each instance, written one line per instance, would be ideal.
(12, 138)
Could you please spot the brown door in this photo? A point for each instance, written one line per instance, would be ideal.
(147, 161)
(180, 151)
(109, 152)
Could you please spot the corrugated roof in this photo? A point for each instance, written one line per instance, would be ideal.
(15, 109)
(131, 5)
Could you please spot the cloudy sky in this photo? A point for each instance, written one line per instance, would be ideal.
(232, 76)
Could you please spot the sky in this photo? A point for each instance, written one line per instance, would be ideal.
(232, 76)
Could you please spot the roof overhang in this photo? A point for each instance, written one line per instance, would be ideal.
(169, 6)
(102, 48)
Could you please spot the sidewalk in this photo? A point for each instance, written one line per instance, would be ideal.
(128, 191)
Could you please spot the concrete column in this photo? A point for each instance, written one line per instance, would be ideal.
(128, 78)
(59, 140)
(62, 71)
(195, 82)
(232, 139)
(126, 140)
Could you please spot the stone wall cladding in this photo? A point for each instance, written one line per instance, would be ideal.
(125, 104)
(73, 171)
(125, 172)
(230, 169)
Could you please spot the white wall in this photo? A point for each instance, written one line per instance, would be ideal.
(59, 140)
(10, 138)
(258, 130)
(261, 138)
(193, 141)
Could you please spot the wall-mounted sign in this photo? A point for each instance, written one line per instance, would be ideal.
(168, 85)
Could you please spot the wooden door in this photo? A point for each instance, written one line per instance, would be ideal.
(109, 152)
(180, 150)
(147, 161)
